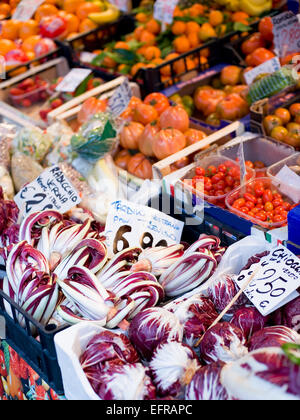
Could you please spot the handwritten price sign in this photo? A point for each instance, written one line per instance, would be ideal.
(164, 10)
(26, 9)
(119, 101)
(286, 29)
(276, 280)
(133, 225)
(50, 191)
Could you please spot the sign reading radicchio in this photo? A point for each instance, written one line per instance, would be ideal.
(50, 191)
(277, 276)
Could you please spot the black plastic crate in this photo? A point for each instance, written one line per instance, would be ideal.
(39, 353)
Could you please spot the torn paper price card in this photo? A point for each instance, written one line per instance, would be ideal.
(26, 9)
(268, 67)
(72, 80)
(277, 276)
(123, 5)
(164, 10)
(50, 191)
(133, 225)
(120, 99)
(286, 30)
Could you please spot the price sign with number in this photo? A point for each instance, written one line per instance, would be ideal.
(277, 276)
(242, 163)
(133, 225)
(286, 29)
(268, 67)
(26, 9)
(119, 101)
(50, 191)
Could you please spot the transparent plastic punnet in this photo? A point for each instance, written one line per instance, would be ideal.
(206, 162)
(293, 163)
(249, 187)
(41, 94)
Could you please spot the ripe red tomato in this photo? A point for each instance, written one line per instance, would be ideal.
(159, 101)
(200, 171)
(268, 206)
(250, 197)
(53, 26)
(267, 196)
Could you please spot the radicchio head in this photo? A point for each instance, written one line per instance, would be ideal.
(249, 320)
(262, 374)
(126, 382)
(172, 367)
(223, 342)
(273, 336)
(289, 315)
(206, 385)
(151, 327)
(223, 291)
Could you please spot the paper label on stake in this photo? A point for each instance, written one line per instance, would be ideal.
(2, 328)
(268, 67)
(242, 163)
(134, 225)
(122, 5)
(286, 29)
(50, 191)
(275, 282)
(119, 101)
(164, 10)
(26, 9)
(72, 80)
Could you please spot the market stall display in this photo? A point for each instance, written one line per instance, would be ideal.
(149, 200)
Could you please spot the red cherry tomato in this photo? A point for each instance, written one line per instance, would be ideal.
(268, 206)
(250, 197)
(200, 171)
(267, 196)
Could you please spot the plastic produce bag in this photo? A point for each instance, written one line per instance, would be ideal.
(33, 142)
(95, 138)
(61, 150)
(7, 133)
(24, 169)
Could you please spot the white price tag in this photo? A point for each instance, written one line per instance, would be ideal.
(134, 225)
(275, 282)
(72, 80)
(120, 99)
(50, 191)
(2, 328)
(164, 10)
(286, 29)
(242, 163)
(268, 67)
(123, 5)
(26, 9)
(87, 57)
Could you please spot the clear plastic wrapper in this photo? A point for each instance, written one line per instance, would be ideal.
(33, 142)
(24, 169)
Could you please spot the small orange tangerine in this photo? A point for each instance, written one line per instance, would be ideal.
(178, 28)
(10, 29)
(6, 45)
(84, 9)
(30, 42)
(29, 28)
(45, 10)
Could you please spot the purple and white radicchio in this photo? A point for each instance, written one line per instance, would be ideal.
(126, 382)
(289, 315)
(223, 342)
(151, 327)
(222, 291)
(172, 367)
(206, 385)
(273, 336)
(196, 314)
(249, 320)
(262, 374)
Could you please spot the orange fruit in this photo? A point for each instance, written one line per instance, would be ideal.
(73, 23)
(147, 38)
(45, 10)
(215, 17)
(28, 29)
(85, 9)
(157, 61)
(241, 17)
(177, 12)
(153, 26)
(87, 25)
(182, 44)
(178, 28)
(194, 39)
(207, 32)
(151, 53)
(5, 9)
(6, 45)
(109, 62)
(166, 70)
(30, 42)
(136, 68)
(31, 55)
(196, 10)
(14, 3)
(138, 32)
(192, 27)
(120, 45)
(10, 29)
(181, 66)
(70, 6)
(142, 17)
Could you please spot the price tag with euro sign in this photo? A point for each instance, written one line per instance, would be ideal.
(50, 191)
(72, 80)
(286, 29)
(276, 279)
(26, 9)
(134, 225)
(119, 101)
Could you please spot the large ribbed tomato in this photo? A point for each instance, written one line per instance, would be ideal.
(167, 142)
(252, 43)
(158, 100)
(145, 114)
(147, 138)
(206, 100)
(232, 107)
(175, 117)
(122, 159)
(140, 166)
(129, 137)
(259, 56)
(91, 107)
(194, 136)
